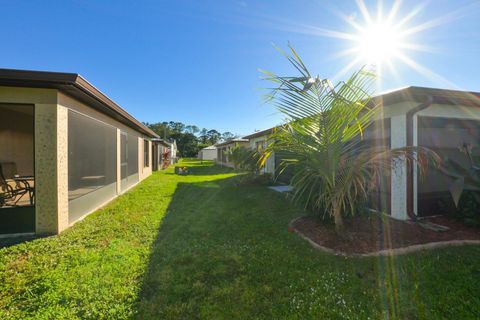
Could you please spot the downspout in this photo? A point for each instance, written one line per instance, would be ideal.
(410, 210)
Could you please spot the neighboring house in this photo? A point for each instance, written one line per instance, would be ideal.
(442, 120)
(66, 149)
(173, 152)
(258, 141)
(208, 153)
(223, 149)
(160, 148)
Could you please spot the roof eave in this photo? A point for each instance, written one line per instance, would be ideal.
(74, 85)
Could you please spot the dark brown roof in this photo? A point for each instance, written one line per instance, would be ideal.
(265, 132)
(420, 94)
(73, 85)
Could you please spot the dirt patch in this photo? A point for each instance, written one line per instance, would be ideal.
(377, 233)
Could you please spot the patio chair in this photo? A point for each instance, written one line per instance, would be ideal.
(10, 191)
(7, 193)
(8, 170)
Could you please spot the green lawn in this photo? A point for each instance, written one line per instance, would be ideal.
(200, 246)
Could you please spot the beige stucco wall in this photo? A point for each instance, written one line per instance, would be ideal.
(143, 171)
(51, 150)
(51, 194)
(119, 167)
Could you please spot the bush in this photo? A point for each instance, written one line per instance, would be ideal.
(245, 159)
(468, 208)
(264, 179)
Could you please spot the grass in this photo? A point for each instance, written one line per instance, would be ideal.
(202, 246)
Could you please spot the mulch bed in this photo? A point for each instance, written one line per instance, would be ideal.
(373, 233)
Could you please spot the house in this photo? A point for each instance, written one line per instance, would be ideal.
(208, 153)
(173, 152)
(66, 149)
(443, 121)
(258, 141)
(159, 151)
(224, 148)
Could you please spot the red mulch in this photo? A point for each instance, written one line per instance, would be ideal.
(367, 234)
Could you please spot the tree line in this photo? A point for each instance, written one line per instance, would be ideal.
(190, 138)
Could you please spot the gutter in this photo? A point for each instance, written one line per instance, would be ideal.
(409, 127)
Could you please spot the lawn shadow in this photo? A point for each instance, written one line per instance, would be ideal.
(182, 233)
(14, 240)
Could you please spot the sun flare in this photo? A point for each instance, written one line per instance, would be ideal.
(385, 39)
(378, 43)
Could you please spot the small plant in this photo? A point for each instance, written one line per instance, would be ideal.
(465, 189)
(264, 179)
(245, 159)
(166, 159)
(466, 178)
(182, 170)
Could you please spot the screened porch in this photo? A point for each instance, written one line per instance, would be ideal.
(17, 181)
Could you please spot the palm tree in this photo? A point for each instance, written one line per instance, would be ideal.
(322, 140)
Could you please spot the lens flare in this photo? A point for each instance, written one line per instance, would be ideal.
(378, 43)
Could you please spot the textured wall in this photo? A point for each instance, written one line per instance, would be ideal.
(46, 163)
(51, 151)
(119, 160)
(46, 204)
(399, 173)
(144, 171)
(62, 168)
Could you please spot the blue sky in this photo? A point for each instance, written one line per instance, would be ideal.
(197, 61)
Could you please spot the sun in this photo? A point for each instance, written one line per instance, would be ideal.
(385, 40)
(378, 43)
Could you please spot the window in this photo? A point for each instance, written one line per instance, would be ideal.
(92, 164)
(146, 153)
(132, 156)
(128, 160)
(92, 154)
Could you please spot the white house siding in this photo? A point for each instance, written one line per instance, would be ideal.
(397, 114)
(208, 154)
(399, 173)
(270, 163)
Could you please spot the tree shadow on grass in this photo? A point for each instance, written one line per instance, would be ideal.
(223, 252)
(210, 232)
(182, 245)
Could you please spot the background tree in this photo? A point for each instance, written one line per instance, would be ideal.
(227, 136)
(190, 139)
(192, 129)
(213, 136)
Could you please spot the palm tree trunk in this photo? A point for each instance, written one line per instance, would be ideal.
(337, 216)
